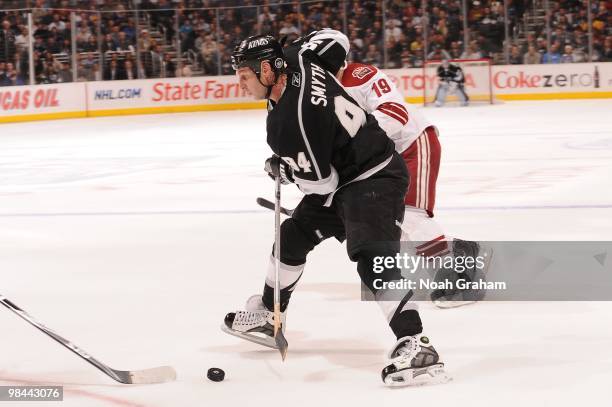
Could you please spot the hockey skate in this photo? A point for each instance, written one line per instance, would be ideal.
(255, 324)
(414, 362)
(453, 298)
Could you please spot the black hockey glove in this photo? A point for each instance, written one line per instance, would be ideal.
(276, 167)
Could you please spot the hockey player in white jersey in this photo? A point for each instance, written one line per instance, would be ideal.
(416, 139)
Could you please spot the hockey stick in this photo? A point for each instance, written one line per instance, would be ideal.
(145, 376)
(263, 202)
(279, 337)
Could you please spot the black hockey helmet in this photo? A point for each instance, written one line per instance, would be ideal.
(257, 48)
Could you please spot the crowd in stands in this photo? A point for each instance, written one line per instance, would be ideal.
(167, 38)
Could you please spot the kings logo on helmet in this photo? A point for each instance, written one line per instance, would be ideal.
(257, 43)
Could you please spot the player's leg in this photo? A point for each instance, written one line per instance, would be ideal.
(370, 210)
(422, 160)
(441, 93)
(465, 99)
(309, 224)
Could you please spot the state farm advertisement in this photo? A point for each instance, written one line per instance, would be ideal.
(42, 99)
(165, 92)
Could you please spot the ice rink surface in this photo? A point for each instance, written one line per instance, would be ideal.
(134, 236)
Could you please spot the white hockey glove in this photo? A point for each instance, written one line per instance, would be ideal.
(276, 167)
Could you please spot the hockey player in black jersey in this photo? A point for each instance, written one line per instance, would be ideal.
(354, 184)
(451, 80)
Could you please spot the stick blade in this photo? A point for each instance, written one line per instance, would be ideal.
(264, 203)
(154, 375)
(281, 343)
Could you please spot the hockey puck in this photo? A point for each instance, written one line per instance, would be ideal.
(215, 374)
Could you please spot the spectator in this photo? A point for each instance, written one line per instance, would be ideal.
(65, 73)
(113, 71)
(373, 56)
(542, 46)
(13, 76)
(123, 44)
(109, 44)
(52, 46)
(567, 55)
(578, 55)
(144, 42)
(42, 31)
(532, 56)
(473, 51)
(95, 74)
(3, 77)
(22, 64)
(392, 31)
(51, 72)
(153, 61)
(406, 61)
(21, 39)
(185, 71)
(607, 51)
(208, 51)
(89, 60)
(553, 56)
(289, 30)
(438, 54)
(7, 41)
(455, 51)
(266, 21)
(83, 33)
(129, 71)
(168, 67)
(515, 56)
(91, 45)
(57, 23)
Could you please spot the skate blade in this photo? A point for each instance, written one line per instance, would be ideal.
(434, 374)
(452, 304)
(267, 342)
(445, 304)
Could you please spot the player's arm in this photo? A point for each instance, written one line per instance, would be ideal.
(313, 171)
(458, 76)
(306, 146)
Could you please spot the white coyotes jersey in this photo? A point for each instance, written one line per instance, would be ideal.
(378, 95)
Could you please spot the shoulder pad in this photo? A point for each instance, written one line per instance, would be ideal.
(357, 74)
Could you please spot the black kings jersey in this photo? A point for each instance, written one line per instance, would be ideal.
(318, 129)
(451, 74)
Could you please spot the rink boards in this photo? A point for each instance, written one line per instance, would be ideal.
(113, 98)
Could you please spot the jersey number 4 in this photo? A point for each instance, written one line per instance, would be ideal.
(302, 163)
(351, 116)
